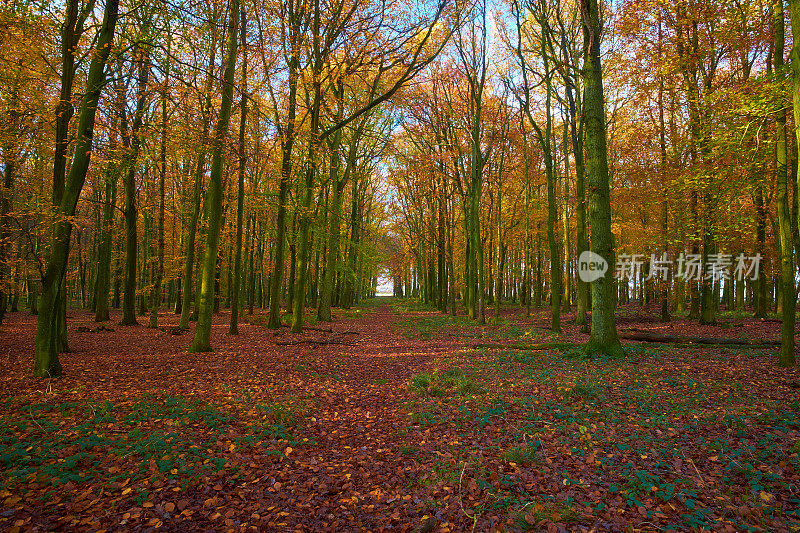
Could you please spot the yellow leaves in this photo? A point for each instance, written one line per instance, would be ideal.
(288, 450)
(11, 501)
(126, 491)
(766, 497)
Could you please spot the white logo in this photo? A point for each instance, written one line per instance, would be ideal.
(591, 266)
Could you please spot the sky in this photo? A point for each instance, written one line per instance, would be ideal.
(385, 286)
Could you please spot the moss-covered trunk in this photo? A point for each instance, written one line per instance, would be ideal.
(603, 337)
(237, 268)
(205, 307)
(787, 357)
(46, 363)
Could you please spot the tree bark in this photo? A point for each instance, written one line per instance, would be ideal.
(191, 236)
(103, 280)
(787, 358)
(205, 307)
(603, 337)
(155, 302)
(287, 145)
(237, 269)
(129, 182)
(46, 363)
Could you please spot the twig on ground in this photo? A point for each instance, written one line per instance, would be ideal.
(311, 341)
(475, 515)
(699, 476)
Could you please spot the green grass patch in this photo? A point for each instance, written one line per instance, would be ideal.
(583, 390)
(528, 516)
(425, 326)
(403, 306)
(286, 412)
(441, 472)
(70, 442)
(522, 455)
(439, 384)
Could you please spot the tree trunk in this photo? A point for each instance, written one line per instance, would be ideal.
(205, 307)
(191, 235)
(10, 146)
(237, 269)
(603, 337)
(287, 144)
(155, 302)
(787, 358)
(337, 185)
(298, 306)
(46, 363)
(129, 183)
(103, 280)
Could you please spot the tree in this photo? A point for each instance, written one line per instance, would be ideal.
(158, 274)
(46, 363)
(473, 53)
(132, 141)
(237, 274)
(293, 24)
(205, 305)
(545, 137)
(199, 173)
(787, 357)
(603, 338)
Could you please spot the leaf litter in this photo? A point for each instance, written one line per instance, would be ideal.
(409, 429)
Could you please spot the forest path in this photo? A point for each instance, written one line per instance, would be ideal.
(316, 436)
(356, 473)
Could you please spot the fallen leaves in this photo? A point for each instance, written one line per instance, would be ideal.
(332, 439)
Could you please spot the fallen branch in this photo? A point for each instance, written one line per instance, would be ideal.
(98, 329)
(310, 341)
(523, 346)
(682, 339)
(311, 328)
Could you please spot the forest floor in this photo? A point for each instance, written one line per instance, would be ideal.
(396, 422)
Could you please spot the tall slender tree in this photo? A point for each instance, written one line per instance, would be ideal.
(46, 363)
(237, 269)
(205, 304)
(603, 337)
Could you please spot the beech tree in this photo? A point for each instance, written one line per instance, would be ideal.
(46, 363)
(603, 337)
(205, 303)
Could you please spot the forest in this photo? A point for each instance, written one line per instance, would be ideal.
(399, 265)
